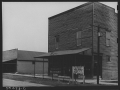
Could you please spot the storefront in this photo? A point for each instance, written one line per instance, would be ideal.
(61, 62)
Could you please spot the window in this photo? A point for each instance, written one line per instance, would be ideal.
(56, 41)
(108, 58)
(107, 38)
(78, 38)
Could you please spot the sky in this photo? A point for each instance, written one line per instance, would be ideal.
(25, 24)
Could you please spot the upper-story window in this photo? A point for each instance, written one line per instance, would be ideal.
(78, 38)
(107, 38)
(57, 39)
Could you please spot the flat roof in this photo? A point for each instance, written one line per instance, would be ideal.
(8, 60)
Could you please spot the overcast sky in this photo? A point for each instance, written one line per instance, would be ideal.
(25, 24)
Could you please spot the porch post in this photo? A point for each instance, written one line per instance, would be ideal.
(92, 66)
(52, 68)
(75, 65)
(34, 67)
(43, 68)
(63, 66)
(48, 66)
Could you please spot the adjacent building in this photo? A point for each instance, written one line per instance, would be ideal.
(73, 41)
(23, 62)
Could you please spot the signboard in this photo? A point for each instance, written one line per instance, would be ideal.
(78, 70)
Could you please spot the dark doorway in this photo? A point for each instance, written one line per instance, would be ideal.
(95, 65)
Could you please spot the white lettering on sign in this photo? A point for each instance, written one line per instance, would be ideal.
(78, 70)
(81, 70)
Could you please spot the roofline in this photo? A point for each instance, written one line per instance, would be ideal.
(24, 50)
(70, 10)
(106, 5)
(33, 51)
(11, 49)
(4, 60)
(85, 4)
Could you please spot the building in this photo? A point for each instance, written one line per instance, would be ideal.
(22, 61)
(73, 41)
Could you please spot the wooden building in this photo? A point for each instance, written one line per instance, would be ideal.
(77, 29)
(23, 62)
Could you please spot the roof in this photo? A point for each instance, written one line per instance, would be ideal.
(83, 5)
(65, 52)
(7, 60)
(28, 55)
(9, 55)
(19, 55)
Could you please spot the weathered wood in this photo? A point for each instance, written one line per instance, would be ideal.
(66, 25)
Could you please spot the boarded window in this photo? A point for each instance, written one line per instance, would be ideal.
(108, 58)
(78, 38)
(56, 41)
(107, 38)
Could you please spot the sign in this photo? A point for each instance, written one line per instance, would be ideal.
(78, 70)
(55, 71)
(81, 70)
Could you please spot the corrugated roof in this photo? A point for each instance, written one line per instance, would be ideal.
(65, 52)
(28, 55)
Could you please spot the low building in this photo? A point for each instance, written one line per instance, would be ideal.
(22, 61)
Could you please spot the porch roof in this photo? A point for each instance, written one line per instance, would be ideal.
(65, 52)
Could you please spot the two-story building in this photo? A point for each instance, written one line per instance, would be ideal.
(73, 41)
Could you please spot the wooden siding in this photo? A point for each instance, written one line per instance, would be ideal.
(28, 68)
(67, 25)
(106, 18)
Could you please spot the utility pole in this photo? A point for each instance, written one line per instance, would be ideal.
(98, 48)
(98, 54)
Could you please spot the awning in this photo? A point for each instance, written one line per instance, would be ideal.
(65, 52)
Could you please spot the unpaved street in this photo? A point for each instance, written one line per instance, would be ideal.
(9, 82)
